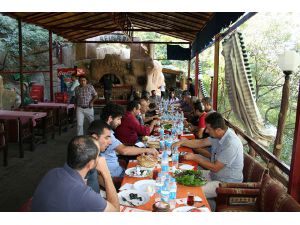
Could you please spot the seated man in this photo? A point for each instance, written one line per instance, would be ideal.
(112, 114)
(186, 103)
(201, 114)
(154, 98)
(226, 159)
(130, 129)
(144, 102)
(64, 189)
(207, 103)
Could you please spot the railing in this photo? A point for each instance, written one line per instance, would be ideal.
(267, 156)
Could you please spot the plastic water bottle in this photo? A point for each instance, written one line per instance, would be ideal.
(162, 133)
(165, 192)
(175, 157)
(158, 187)
(173, 193)
(162, 145)
(168, 144)
(165, 163)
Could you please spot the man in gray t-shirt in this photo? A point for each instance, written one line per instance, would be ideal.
(226, 157)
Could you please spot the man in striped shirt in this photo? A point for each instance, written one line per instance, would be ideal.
(85, 95)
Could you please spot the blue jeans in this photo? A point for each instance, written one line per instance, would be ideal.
(92, 180)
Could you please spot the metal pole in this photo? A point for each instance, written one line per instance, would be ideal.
(50, 66)
(21, 61)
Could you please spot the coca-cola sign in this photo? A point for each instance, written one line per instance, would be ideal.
(66, 72)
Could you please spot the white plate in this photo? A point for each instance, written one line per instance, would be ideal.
(183, 209)
(186, 167)
(141, 198)
(147, 186)
(130, 172)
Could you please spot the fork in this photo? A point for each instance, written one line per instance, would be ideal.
(130, 203)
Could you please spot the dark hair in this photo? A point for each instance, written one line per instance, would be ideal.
(207, 100)
(97, 127)
(199, 106)
(190, 79)
(144, 98)
(215, 120)
(81, 150)
(113, 110)
(131, 105)
(81, 77)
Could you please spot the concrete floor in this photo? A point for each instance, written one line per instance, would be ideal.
(20, 178)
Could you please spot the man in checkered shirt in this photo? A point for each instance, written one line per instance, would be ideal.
(85, 95)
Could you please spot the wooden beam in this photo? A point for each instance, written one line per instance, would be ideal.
(196, 74)
(216, 73)
(93, 28)
(135, 42)
(21, 60)
(294, 178)
(282, 115)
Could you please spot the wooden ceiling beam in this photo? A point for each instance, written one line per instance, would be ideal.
(198, 23)
(62, 19)
(36, 19)
(129, 29)
(153, 25)
(162, 20)
(196, 16)
(177, 35)
(108, 26)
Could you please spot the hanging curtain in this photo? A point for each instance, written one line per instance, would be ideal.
(240, 95)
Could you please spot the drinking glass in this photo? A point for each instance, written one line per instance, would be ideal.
(190, 199)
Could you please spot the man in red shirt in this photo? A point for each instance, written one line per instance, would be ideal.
(130, 129)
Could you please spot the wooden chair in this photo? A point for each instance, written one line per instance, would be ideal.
(3, 141)
(62, 121)
(26, 134)
(271, 196)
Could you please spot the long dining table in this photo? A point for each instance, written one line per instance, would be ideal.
(182, 191)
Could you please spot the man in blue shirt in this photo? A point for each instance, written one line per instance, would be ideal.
(64, 189)
(112, 115)
(226, 157)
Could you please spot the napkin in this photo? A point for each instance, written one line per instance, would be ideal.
(186, 167)
(129, 209)
(204, 209)
(140, 145)
(126, 186)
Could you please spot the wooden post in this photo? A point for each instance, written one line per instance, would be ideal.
(50, 66)
(282, 114)
(216, 72)
(196, 74)
(189, 72)
(21, 61)
(294, 178)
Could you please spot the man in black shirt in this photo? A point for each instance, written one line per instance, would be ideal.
(191, 87)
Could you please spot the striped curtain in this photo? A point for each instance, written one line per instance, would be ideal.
(240, 90)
